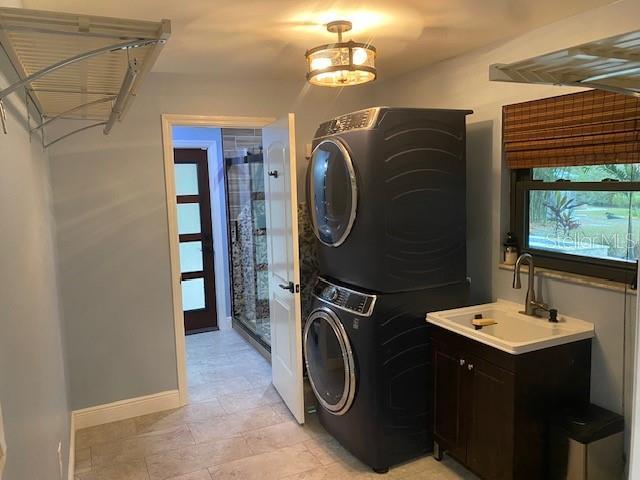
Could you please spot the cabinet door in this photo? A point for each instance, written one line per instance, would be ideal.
(491, 420)
(448, 391)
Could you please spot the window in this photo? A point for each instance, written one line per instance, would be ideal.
(575, 169)
(581, 219)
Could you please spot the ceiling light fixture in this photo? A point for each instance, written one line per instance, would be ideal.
(343, 63)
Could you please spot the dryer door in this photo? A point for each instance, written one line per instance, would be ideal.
(329, 359)
(333, 192)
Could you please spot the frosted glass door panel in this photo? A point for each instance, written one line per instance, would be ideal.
(193, 294)
(186, 179)
(190, 257)
(188, 218)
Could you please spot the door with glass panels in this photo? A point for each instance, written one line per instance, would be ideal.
(196, 240)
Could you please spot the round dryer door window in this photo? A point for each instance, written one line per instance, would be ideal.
(329, 360)
(333, 191)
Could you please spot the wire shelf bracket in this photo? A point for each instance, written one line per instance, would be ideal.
(70, 65)
(611, 64)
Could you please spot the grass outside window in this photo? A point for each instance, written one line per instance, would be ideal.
(582, 219)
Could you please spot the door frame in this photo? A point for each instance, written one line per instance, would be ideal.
(168, 121)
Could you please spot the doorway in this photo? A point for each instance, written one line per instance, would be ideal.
(281, 245)
(220, 198)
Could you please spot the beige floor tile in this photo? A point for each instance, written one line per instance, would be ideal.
(227, 343)
(136, 470)
(249, 359)
(313, 427)
(282, 410)
(208, 388)
(259, 379)
(172, 463)
(82, 460)
(437, 473)
(198, 394)
(202, 411)
(329, 451)
(249, 399)
(455, 471)
(244, 429)
(159, 421)
(234, 347)
(216, 373)
(205, 352)
(199, 475)
(336, 471)
(271, 438)
(234, 424)
(140, 446)
(416, 468)
(267, 466)
(108, 432)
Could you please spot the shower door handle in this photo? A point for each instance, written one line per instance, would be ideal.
(291, 287)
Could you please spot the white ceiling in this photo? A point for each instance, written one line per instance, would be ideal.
(267, 38)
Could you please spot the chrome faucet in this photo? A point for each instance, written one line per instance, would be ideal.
(531, 305)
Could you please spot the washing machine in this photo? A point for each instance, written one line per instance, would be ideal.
(386, 194)
(369, 364)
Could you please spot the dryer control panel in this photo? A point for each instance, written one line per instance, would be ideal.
(344, 298)
(361, 119)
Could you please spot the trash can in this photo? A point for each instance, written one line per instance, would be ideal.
(587, 443)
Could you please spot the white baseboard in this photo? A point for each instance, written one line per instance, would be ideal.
(123, 409)
(71, 468)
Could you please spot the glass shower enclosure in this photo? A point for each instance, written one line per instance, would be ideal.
(244, 176)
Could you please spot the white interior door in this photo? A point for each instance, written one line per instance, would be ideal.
(284, 266)
(634, 449)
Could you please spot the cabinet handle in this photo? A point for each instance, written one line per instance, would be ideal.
(462, 362)
(470, 366)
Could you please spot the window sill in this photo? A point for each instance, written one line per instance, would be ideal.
(575, 278)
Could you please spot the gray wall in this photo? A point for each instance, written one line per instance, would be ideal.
(112, 227)
(33, 390)
(463, 82)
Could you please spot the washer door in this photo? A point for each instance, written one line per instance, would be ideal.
(329, 359)
(333, 192)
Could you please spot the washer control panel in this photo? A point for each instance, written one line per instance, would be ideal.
(351, 121)
(344, 298)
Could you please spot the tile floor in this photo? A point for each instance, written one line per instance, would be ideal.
(235, 427)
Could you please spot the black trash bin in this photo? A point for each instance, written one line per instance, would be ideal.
(587, 443)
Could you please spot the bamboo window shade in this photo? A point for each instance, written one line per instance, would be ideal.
(586, 128)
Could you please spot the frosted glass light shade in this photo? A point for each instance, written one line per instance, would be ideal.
(341, 64)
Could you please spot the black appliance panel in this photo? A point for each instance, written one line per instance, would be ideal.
(351, 121)
(344, 298)
(410, 229)
(391, 418)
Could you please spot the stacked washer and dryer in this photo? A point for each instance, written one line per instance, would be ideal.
(386, 193)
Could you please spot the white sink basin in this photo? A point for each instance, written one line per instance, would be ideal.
(514, 332)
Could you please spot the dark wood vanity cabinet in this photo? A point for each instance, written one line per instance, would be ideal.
(491, 408)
